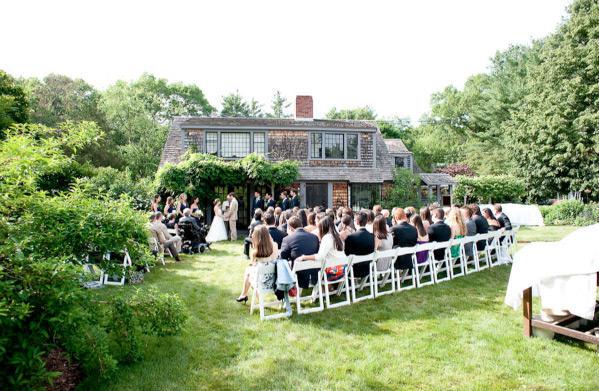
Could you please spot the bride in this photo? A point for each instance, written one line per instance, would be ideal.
(217, 230)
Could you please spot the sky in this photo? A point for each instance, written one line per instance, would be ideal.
(389, 55)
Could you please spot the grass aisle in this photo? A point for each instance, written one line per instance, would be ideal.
(454, 336)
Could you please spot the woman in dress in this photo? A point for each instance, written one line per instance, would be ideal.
(383, 240)
(311, 226)
(303, 217)
(195, 205)
(458, 228)
(155, 207)
(491, 219)
(169, 207)
(217, 230)
(416, 221)
(346, 227)
(331, 248)
(264, 249)
(182, 204)
(425, 216)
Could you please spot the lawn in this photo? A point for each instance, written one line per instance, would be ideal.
(454, 336)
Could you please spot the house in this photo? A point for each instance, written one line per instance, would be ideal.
(342, 162)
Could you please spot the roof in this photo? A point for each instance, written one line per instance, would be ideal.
(433, 179)
(274, 123)
(395, 145)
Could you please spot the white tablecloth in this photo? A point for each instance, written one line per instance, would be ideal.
(563, 274)
(520, 214)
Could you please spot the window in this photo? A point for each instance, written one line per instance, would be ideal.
(316, 150)
(364, 195)
(212, 143)
(400, 161)
(235, 144)
(334, 147)
(352, 146)
(260, 143)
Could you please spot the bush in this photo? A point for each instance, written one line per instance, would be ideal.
(489, 188)
(405, 190)
(571, 212)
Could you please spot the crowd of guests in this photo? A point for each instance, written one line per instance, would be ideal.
(320, 234)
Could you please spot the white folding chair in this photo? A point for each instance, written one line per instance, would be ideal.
(343, 282)
(264, 284)
(407, 275)
(481, 256)
(493, 248)
(458, 262)
(509, 241)
(470, 264)
(316, 289)
(362, 281)
(126, 264)
(424, 271)
(159, 250)
(384, 267)
(441, 266)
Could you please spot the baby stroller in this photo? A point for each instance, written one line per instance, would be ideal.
(193, 239)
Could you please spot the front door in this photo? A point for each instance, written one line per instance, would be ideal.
(317, 194)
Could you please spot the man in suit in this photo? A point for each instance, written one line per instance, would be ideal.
(482, 226)
(269, 201)
(258, 202)
(504, 221)
(404, 235)
(231, 215)
(439, 231)
(299, 242)
(285, 204)
(470, 229)
(295, 202)
(276, 234)
(360, 242)
(160, 232)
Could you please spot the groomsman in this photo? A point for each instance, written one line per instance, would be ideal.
(285, 204)
(270, 202)
(294, 199)
(258, 203)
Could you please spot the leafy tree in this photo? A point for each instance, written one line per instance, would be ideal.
(13, 102)
(234, 105)
(278, 106)
(364, 113)
(556, 128)
(405, 190)
(397, 128)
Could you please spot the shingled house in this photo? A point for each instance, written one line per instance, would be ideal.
(342, 162)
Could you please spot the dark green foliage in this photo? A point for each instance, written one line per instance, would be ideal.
(405, 191)
(199, 174)
(363, 113)
(13, 102)
(61, 178)
(571, 212)
(234, 105)
(489, 188)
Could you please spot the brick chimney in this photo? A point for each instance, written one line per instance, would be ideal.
(304, 108)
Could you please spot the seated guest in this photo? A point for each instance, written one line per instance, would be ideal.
(383, 241)
(338, 216)
(188, 218)
(404, 235)
(159, 230)
(285, 216)
(504, 221)
(360, 242)
(416, 221)
(346, 227)
(171, 221)
(410, 211)
(311, 226)
(458, 228)
(331, 248)
(278, 212)
(387, 216)
(470, 229)
(195, 205)
(169, 207)
(155, 206)
(491, 220)
(330, 213)
(482, 226)
(256, 221)
(439, 232)
(297, 243)
(264, 250)
(317, 209)
(370, 220)
(377, 210)
(425, 215)
(276, 234)
(303, 217)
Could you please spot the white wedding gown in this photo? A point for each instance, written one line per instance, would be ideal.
(217, 231)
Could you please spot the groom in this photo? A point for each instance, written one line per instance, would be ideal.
(230, 215)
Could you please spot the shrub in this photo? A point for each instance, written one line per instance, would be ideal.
(405, 190)
(489, 188)
(571, 212)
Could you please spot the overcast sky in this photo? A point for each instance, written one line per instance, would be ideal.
(389, 55)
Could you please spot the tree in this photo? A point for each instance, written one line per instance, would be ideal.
(234, 105)
(363, 113)
(13, 102)
(405, 190)
(397, 128)
(278, 106)
(556, 128)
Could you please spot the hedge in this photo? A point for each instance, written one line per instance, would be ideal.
(489, 188)
(571, 212)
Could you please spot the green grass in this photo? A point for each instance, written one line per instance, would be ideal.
(457, 335)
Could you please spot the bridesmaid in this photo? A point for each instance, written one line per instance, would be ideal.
(169, 207)
(195, 205)
(155, 207)
(182, 204)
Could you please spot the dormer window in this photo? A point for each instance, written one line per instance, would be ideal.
(235, 145)
(325, 145)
